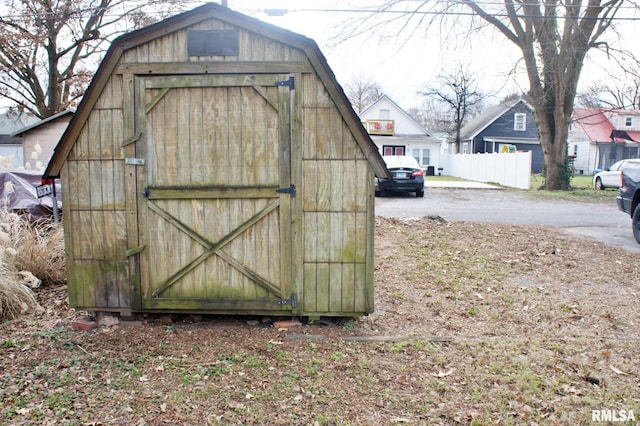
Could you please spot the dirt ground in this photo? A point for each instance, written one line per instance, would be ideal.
(473, 324)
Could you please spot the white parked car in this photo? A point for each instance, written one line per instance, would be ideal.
(610, 178)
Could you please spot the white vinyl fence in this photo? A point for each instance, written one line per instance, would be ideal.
(508, 169)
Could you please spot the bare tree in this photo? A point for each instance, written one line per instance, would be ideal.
(362, 92)
(625, 95)
(458, 93)
(49, 48)
(553, 36)
(433, 116)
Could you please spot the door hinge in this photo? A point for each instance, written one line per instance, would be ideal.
(135, 250)
(290, 190)
(134, 139)
(291, 83)
(293, 301)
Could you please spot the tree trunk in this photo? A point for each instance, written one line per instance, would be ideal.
(557, 175)
(553, 129)
(553, 50)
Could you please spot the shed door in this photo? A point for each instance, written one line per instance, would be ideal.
(215, 214)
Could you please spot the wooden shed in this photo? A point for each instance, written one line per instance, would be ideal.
(215, 165)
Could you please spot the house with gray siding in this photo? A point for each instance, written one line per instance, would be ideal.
(507, 127)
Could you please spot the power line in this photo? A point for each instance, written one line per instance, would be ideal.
(282, 12)
(388, 9)
(277, 12)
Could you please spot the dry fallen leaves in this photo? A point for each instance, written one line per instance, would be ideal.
(473, 322)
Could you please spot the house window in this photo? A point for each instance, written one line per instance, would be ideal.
(575, 150)
(520, 122)
(384, 114)
(422, 156)
(392, 150)
(628, 121)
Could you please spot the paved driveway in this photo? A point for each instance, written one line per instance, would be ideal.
(601, 221)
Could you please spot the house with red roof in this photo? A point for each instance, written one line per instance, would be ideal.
(599, 137)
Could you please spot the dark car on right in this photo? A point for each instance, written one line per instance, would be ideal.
(628, 198)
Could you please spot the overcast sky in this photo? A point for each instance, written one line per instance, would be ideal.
(402, 65)
(405, 65)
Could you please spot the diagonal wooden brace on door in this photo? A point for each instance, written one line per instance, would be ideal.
(216, 248)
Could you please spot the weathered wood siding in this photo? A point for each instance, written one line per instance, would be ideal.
(172, 48)
(93, 196)
(338, 211)
(332, 259)
(237, 134)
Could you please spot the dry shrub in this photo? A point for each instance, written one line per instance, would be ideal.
(16, 298)
(30, 254)
(40, 248)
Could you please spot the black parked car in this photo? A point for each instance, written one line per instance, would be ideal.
(628, 198)
(407, 176)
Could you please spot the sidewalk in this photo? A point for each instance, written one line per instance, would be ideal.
(458, 184)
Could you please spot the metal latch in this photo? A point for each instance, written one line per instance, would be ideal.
(289, 83)
(145, 192)
(134, 161)
(293, 301)
(290, 190)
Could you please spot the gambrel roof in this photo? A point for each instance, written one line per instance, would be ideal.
(194, 17)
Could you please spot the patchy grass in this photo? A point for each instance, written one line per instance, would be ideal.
(582, 191)
(517, 325)
(512, 380)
